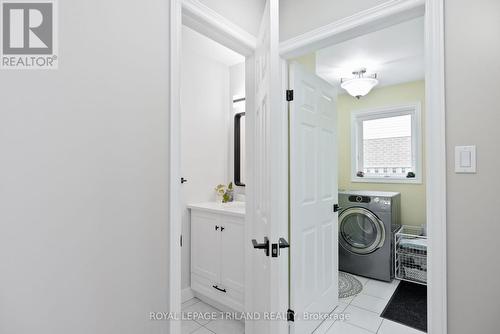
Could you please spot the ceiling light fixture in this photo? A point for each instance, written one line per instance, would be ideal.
(359, 85)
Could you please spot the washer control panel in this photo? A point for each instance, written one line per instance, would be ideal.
(382, 202)
(359, 199)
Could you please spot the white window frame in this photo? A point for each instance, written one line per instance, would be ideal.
(357, 119)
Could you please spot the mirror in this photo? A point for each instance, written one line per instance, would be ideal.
(239, 149)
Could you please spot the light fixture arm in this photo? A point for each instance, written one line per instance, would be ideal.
(359, 85)
(360, 74)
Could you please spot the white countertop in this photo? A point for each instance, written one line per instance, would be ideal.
(231, 208)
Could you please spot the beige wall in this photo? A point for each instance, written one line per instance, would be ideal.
(412, 195)
(308, 61)
(472, 35)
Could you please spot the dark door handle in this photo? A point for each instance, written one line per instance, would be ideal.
(275, 248)
(222, 228)
(264, 245)
(283, 243)
(216, 227)
(183, 180)
(217, 288)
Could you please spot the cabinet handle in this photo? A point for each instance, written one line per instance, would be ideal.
(217, 288)
(216, 227)
(222, 228)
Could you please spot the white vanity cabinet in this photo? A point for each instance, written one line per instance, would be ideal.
(217, 253)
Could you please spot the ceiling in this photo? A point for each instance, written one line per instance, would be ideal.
(244, 13)
(396, 54)
(207, 47)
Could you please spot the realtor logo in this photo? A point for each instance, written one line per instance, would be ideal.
(28, 34)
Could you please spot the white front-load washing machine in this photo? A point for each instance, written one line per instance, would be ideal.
(368, 221)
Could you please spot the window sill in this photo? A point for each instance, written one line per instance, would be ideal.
(356, 179)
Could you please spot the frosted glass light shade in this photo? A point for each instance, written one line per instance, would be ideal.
(358, 87)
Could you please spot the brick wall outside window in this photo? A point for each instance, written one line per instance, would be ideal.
(387, 152)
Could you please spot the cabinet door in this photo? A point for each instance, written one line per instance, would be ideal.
(232, 255)
(205, 245)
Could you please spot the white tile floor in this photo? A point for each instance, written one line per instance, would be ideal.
(208, 326)
(364, 312)
(363, 309)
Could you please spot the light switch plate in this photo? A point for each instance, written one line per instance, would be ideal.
(465, 159)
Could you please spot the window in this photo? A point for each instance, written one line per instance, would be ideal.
(239, 141)
(386, 145)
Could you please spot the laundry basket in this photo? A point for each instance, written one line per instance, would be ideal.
(411, 254)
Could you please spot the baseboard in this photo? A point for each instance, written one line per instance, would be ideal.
(186, 294)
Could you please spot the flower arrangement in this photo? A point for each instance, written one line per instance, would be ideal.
(225, 193)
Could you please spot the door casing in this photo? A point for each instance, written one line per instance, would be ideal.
(373, 19)
(209, 23)
(386, 14)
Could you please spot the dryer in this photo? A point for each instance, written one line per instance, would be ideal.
(368, 221)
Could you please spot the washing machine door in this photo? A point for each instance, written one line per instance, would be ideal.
(360, 231)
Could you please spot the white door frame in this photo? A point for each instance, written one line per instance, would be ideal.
(203, 19)
(376, 18)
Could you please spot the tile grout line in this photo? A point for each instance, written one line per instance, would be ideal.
(357, 326)
(366, 294)
(352, 324)
(208, 329)
(378, 329)
(350, 304)
(365, 309)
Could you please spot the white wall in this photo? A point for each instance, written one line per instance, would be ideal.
(205, 118)
(237, 80)
(473, 117)
(83, 176)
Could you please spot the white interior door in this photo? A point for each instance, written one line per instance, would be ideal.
(265, 291)
(313, 193)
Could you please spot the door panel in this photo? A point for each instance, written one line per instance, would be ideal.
(329, 243)
(232, 264)
(313, 192)
(205, 246)
(309, 161)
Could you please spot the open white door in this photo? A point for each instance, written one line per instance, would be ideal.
(266, 287)
(313, 194)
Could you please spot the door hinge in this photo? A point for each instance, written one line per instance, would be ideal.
(290, 315)
(289, 95)
(336, 208)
